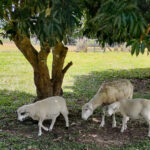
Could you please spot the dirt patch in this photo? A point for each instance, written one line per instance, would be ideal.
(141, 86)
(90, 132)
(81, 131)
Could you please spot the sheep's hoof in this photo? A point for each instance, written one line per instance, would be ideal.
(49, 130)
(101, 125)
(39, 134)
(46, 129)
(114, 126)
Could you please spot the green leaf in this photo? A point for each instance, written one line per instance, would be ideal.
(142, 48)
(133, 49)
(142, 28)
(131, 24)
(137, 48)
(136, 29)
(129, 43)
(124, 19)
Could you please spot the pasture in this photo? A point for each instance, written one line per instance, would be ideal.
(81, 82)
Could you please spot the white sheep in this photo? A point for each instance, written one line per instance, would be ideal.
(49, 108)
(108, 93)
(131, 108)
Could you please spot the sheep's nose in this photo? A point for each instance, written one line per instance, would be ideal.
(20, 119)
(84, 118)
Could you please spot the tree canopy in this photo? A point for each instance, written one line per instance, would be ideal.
(117, 21)
(51, 21)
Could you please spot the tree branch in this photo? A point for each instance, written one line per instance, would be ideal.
(45, 47)
(67, 67)
(146, 33)
(24, 45)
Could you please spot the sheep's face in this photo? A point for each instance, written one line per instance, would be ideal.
(22, 113)
(87, 111)
(113, 108)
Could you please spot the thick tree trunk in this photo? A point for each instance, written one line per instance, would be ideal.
(38, 60)
(59, 54)
(45, 87)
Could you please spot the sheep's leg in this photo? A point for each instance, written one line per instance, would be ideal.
(53, 122)
(66, 119)
(103, 117)
(149, 128)
(114, 121)
(45, 128)
(40, 127)
(124, 123)
(146, 115)
(127, 119)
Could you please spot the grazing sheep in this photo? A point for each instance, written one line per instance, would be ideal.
(49, 108)
(132, 108)
(108, 93)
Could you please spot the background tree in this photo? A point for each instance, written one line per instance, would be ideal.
(52, 22)
(119, 21)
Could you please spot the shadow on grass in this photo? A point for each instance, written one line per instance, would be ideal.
(85, 86)
(11, 100)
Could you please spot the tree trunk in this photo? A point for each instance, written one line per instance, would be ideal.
(59, 54)
(45, 87)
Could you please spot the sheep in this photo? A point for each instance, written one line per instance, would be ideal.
(108, 93)
(131, 108)
(49, 108)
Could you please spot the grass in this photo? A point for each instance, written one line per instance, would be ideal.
(80, 84)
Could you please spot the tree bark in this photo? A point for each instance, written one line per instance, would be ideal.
(45, 86)
(38, 60)
(59, 54)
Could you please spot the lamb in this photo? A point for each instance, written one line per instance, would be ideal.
(132, 108)
(49, 108)
(108, 93)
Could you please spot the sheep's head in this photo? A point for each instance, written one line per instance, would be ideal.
(113, 108)
(22, 113)
(87, 111)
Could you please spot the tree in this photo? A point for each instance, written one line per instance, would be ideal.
(52, 22)
(119, 21)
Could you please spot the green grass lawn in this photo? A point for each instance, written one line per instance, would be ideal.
(80, 84)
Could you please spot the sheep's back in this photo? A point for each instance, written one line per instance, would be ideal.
(116, 90)
(51, 105)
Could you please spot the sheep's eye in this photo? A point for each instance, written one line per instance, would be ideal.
(23, 113)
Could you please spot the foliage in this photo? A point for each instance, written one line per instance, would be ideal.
(117, 21)
(50, 21)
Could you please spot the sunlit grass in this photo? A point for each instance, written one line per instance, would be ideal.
(17, 74)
